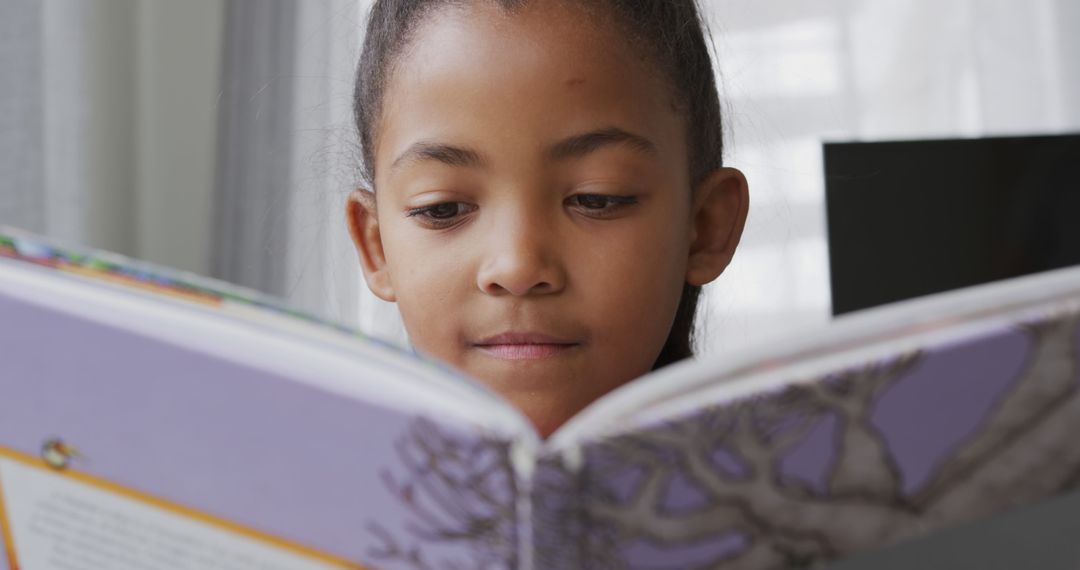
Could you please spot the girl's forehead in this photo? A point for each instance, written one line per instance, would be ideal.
(537, 32)
(489, 77)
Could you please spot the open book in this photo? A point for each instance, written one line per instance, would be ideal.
(155, 420)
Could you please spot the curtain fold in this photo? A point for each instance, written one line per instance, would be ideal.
(22, 202)
(255, 144)
(289, 157)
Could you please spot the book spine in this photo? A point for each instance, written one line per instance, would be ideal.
(523, 461)
(557, 519)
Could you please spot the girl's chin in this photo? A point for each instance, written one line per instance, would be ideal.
(529, 372)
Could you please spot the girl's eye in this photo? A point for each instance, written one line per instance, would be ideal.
(443, 214)
(600, 204)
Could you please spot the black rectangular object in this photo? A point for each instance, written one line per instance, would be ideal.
(911, 218)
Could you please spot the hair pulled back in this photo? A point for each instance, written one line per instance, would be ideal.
(671, 31)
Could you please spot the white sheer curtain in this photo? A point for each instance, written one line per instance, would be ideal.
(21, 201)
(288, 157)
(798, 73)
(107, 122)
(323, 273)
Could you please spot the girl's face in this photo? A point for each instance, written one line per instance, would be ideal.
(535, 221)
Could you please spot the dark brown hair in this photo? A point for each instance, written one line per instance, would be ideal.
(672, 32)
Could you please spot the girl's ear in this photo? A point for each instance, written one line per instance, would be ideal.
(718, 216)
(364, 228)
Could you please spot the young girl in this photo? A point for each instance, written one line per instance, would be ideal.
(546, 194)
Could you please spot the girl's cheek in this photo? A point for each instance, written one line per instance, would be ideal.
(427, 265)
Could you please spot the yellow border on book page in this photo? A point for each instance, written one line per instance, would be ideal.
(5, 530)
(159, 503)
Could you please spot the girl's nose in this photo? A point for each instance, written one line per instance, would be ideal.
(522, 260)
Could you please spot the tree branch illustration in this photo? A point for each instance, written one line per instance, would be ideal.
(1048, 382)
(1020, 453)
(459, 490)
(1034, 454)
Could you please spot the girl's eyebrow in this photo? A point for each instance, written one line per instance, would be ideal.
(575, 146)
(447, 154)
(583, 144)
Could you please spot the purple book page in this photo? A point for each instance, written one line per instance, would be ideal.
(876, 453)
(122, 451)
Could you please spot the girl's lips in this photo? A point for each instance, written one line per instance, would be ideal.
(524, 351)
(524, 346)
